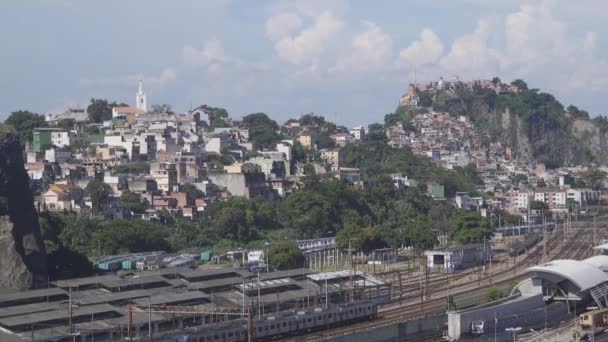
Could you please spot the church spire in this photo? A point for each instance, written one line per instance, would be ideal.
(140, 97)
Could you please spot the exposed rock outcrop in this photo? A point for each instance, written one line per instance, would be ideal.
(22, 253)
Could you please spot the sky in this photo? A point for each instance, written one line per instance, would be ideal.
(347, 60)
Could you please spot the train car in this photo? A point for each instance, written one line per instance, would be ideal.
(282, 324)
(591, 323)
(521, 247)
(478, 328)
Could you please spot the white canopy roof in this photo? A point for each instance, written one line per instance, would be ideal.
(584, 274)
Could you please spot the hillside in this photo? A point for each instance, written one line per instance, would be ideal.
(533, 123)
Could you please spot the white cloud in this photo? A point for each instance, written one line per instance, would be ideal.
(426, 50)
(212, 52)
(370, 49)
(470, 54)
(306, 47)
(166, 76)
(534, 36)
(282, 25)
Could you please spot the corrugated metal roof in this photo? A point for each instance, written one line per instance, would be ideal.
(584, 275)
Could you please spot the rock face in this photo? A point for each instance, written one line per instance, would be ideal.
(22, 253)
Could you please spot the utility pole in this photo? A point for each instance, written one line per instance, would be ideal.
(70, 314)
(400, 287)
(149, 319)
(326, 295)
(594, 242)
(421, 288)
(259, 295)
(249, 325)
(544, 238)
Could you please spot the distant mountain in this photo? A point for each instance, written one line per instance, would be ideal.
(532, 122)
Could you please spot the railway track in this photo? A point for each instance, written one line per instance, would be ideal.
(412, 306)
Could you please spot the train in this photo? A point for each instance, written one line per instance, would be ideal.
(286, 324)
(591, 323)
(521, 247)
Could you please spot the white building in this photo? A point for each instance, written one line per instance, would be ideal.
(521, 200)
(60, 138)
(140, 98)
(77, 114)
(285, 148)
(56, 156)
(357, 132)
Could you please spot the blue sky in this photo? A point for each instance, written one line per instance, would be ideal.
(347, 60)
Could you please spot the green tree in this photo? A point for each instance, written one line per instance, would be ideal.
(24, 122)
(471, 227)
(99, 110)
(132, 236)
(138, 167)
(376, 133)
(161, 108)
(284, 255)
(100, 194)
(262, 130)
(68, 240)
(66, 124)
(192, 191)
(308, 213)
(520, 84)
(539, 205)
(594, 178)
(133, 202)
(493, 293)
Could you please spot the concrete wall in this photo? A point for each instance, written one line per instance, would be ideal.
(399, 332)
(233, 182)
(522, 312)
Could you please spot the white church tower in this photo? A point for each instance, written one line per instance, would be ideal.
(141, 97)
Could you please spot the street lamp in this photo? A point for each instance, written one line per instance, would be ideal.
(514, 331)
(267, 244)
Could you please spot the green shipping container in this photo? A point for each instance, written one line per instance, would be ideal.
(206, 256)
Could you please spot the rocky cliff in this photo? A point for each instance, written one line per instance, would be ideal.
(22, 253)
(533, 123)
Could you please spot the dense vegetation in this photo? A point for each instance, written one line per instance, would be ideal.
(537, 125)
(24, 122)
(378, 216)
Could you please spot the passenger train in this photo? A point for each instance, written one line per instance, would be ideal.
(281, 325)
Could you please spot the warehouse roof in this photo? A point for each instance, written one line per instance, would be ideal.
(214, 283)
(174, 298)
(212, 273)
(134, 281)
(298, 272)
(31, 294)
(102, 296)
(78, 282)
(584, 275)
(57, 315)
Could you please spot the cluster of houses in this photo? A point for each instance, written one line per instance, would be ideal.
(514, 183)
(163, 156)
(158, 154)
